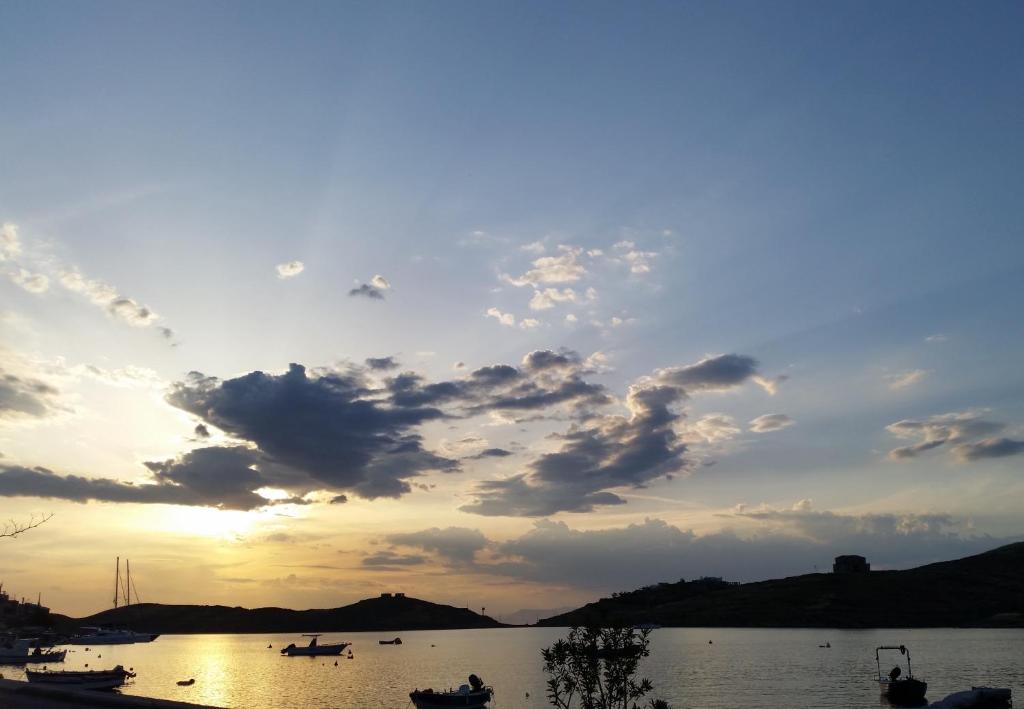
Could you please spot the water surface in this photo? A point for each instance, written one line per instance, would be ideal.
(738, 668)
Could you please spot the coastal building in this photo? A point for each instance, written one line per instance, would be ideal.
(851, 564)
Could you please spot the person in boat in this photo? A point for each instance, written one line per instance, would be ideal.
(895, 673)
(476, 683)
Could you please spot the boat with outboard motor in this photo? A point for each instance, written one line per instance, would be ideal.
(899, 690)
(28, 650)
(473, 695)
(83, 679)
(314, 648)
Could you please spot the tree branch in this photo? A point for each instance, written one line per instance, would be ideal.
(13, 528)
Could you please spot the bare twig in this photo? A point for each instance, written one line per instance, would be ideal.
(14, 528)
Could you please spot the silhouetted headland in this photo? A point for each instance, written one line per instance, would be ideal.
(986, 590)
(383, 613)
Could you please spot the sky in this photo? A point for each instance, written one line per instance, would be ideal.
(504, 305)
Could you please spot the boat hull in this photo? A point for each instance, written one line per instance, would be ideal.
(315, 651)
(907, 692)
(92, 679)
(30, 658)
(442, 700)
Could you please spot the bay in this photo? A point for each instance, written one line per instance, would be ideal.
(698, 668)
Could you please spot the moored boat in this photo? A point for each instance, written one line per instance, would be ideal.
(902, 691)
(26, 651)
(396, 641)
(474, 694)
(87, 679)
(314, 649)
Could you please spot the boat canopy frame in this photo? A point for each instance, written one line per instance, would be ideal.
(902, 650)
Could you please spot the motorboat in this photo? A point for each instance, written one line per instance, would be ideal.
(28, 650)
(87, 679)
(111, 636)
(314, 648)
(474, 694)
(396, 641)
(902, 691)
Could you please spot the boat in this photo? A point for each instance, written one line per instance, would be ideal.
(396, 641)
(901, 691)
(314, 648)
(111, 636)
(977, 698)
(116, 636)
(88, 679)
(474, 694)
(26, 651)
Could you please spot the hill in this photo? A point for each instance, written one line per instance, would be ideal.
(392, 613)
(986, 590)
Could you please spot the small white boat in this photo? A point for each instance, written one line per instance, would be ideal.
(88, 679)
(111, 636)
(314, 649)
(28, 650)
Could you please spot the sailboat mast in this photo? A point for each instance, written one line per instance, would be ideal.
(117, 580)
(128, 572)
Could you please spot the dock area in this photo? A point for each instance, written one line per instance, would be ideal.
(22, 695)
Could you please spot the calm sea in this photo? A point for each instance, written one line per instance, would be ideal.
(738, 668)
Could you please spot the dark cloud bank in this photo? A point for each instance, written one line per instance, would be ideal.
(781, 543)
(347, 431)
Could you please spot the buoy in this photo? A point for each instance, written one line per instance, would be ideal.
(335, 663)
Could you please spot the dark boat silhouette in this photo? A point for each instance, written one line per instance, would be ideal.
(474, 694)
(901, 691)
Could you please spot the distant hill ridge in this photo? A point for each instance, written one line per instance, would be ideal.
(986, 590)
(384, 614)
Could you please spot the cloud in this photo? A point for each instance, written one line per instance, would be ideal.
(10, 245)
(326, 426)
(506, 319)
(378, 281)
(988, 448)
(716, 428)
(26, 397)
(906, 379)
(936, 338)
(32, 282)
(107, 297)
(381, 364)
(768, 423)
(492, 453)
(454, 544)
(339, 499)
(639, 261)
(536, 247)
(387, 558)
(202, 431)
(605, 453)
(213, 477)
(367, 291)
(547, 298)
(782, 543)
(289, 269)
(953, 428)
(563, 268)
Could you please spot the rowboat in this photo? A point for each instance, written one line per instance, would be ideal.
(88, 679)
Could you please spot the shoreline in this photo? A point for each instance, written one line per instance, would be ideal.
(23, 695)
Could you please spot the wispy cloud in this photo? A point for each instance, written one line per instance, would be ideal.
(906, 379)
(374, 289)
(768, 423)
